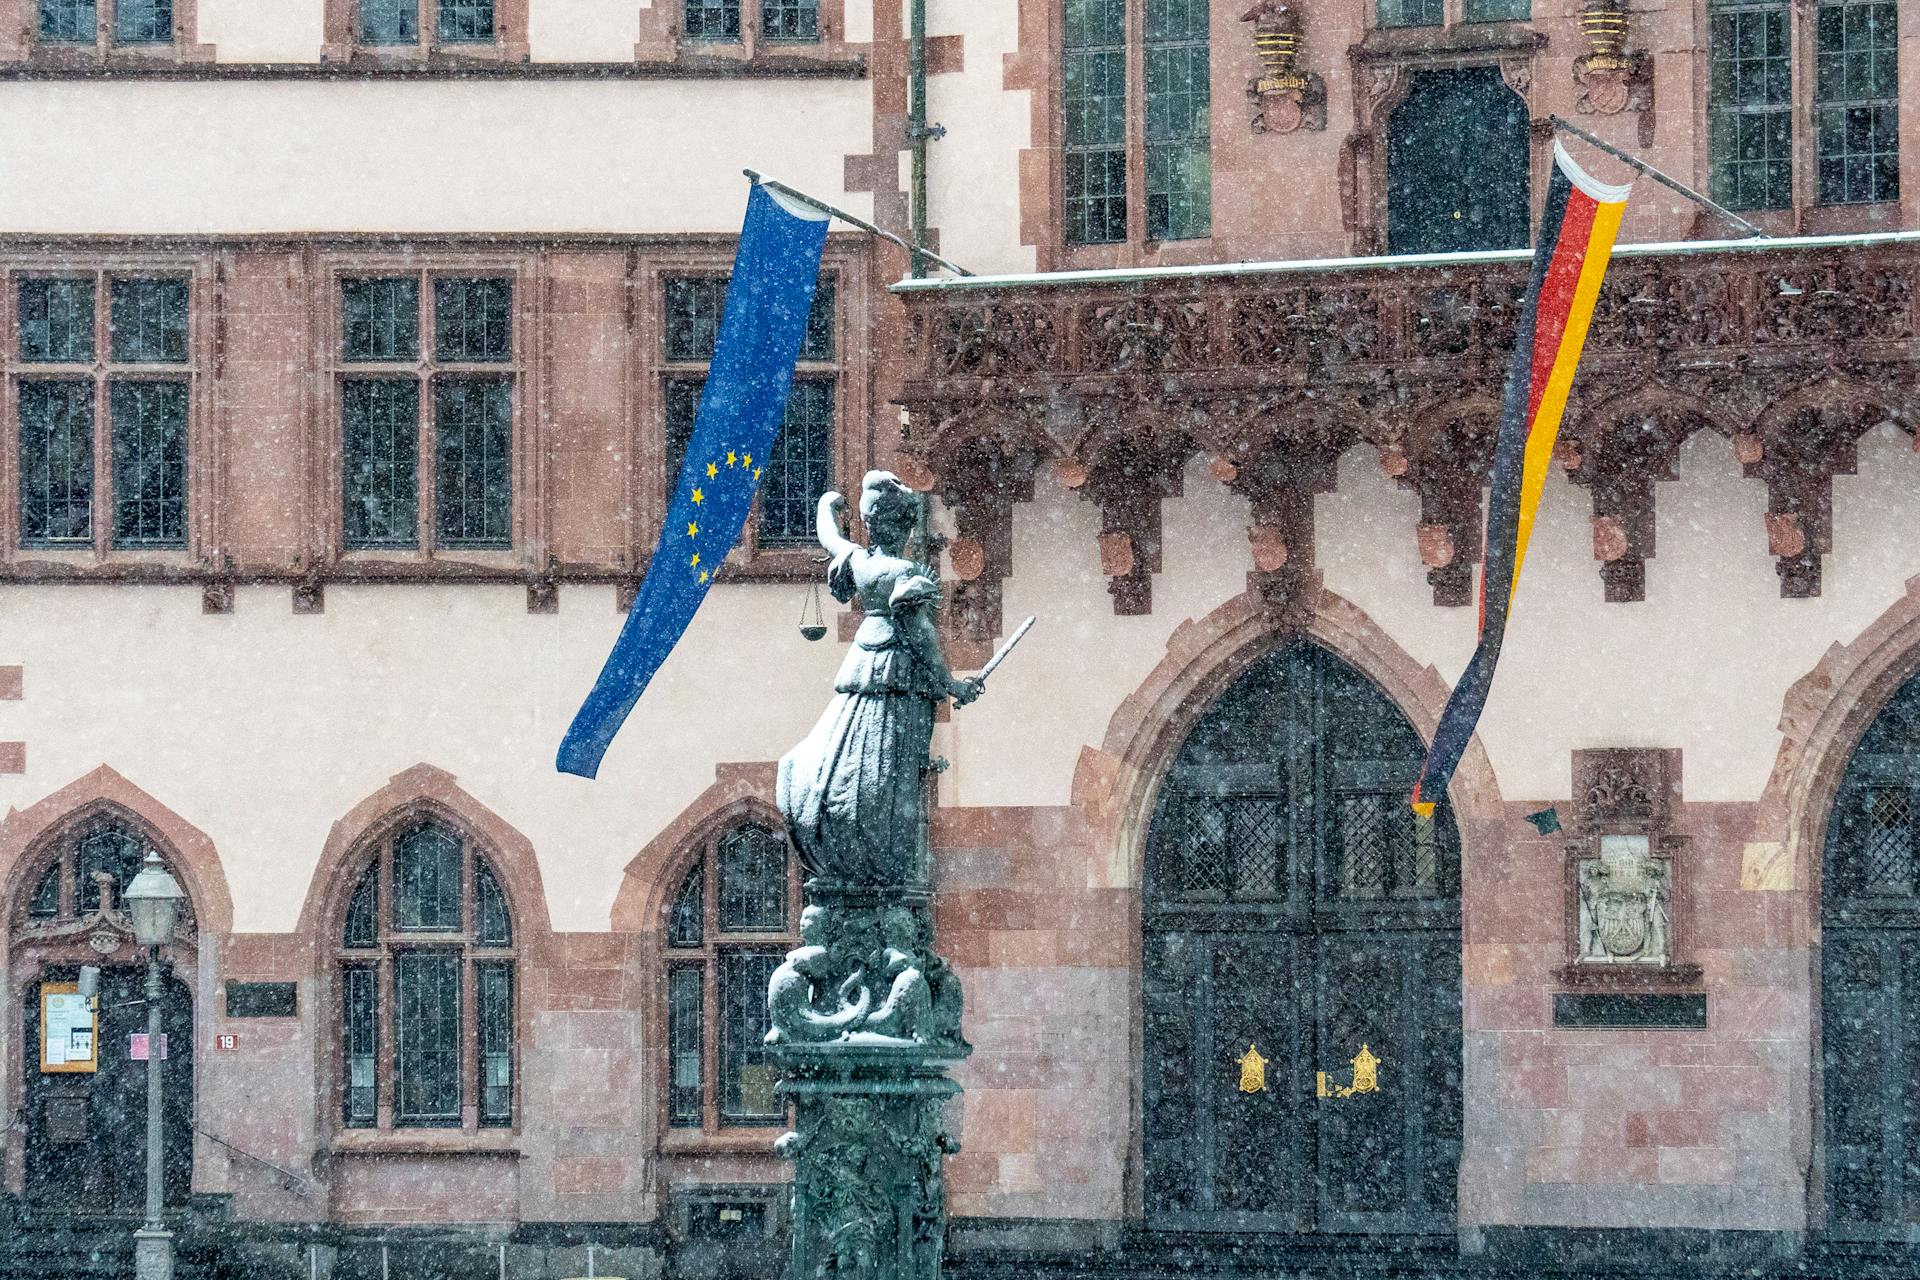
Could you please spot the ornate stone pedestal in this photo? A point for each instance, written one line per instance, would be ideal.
(866, 1024)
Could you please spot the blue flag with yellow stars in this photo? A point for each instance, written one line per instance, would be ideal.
(774, 273)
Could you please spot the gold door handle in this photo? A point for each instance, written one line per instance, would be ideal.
(1366, 1078)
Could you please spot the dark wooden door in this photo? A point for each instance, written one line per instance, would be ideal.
(1870, 982)
(1297, 916)
(1457, 173)
(87, 1132)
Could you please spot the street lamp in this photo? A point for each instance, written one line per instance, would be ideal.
(153, 900)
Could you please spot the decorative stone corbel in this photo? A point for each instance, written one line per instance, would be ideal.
(1448, 468)
(1128, 476)
(1279, 476)
(1284, 98)
(1620, 462)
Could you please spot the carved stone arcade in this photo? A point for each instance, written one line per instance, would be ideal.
(1791, 352)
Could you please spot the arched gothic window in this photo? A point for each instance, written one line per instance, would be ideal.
(426, 987)
(88, 869)
(729, 925)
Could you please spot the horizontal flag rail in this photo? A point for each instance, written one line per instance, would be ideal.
(868, 227)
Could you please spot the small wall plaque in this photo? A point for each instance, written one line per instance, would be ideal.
(263, 1000)
(1658, 1011)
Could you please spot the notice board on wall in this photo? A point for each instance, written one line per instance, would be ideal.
(69, 1029)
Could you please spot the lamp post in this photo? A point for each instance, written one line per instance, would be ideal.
(153, 900)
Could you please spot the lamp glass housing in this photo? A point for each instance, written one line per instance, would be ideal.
(153, 900)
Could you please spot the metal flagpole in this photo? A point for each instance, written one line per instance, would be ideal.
(861, 223)
(1659, 177)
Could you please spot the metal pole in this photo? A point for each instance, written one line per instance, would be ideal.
(917, 132)
(1659, 177)
(153, 1246)
(850, 220)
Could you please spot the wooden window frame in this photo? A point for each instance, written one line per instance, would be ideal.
(509, 43)
(526, 474)
(389, 944)
(1137, 246)
(1806, 215)
(714, 1131)
(101, 554)
(849, 371)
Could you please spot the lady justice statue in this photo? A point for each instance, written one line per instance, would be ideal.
(865, 1018)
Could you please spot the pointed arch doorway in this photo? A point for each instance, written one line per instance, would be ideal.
(1297, 918)
(85, 1117)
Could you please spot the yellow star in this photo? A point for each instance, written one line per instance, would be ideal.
(746, 460)
(712, 471)
(698, 497)
(693, 530)
(756, 473)
(732, 457)
(703, 575)
(695, 562)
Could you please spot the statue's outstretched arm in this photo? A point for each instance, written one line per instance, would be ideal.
(826, 524)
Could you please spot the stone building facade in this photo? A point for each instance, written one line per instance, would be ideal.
(346, 347)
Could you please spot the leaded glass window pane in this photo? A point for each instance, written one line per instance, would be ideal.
(426, 880)
(56, 464)
(466, 21)
(426, 990)
(1857, 111)
(389, 21)
(1412, 13)
(380, 443)
(694, 305)
(493, 926)
(143, 21)
(712, 19)
(753, 882)
(1179, 125)
(801, 468)
(685, 1047)
(69, 22)
(362, 925)
(473, 320)
(683, 407)
(113, 852)
(493, 1007)
(473, 438)
(1497, 10)
(1750, 111)
(747, 1072)
(149, 422)
(360, 1045)
(148, 319)
(790, 19)
(1096, 121)
(380, 319)
(45, 902)
(56, 321)
(818, 343)
(686, 922)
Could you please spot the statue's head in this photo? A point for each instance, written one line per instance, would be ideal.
(900, 929)
(813, 926)
(888, 506)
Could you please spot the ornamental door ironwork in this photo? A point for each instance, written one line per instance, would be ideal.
(1870, 982)
(1301, 967)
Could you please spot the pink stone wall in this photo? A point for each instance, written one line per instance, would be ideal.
(1635, 1128)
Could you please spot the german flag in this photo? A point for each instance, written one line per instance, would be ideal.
(1576, 239)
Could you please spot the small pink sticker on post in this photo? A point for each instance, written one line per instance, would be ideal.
(137, 1046)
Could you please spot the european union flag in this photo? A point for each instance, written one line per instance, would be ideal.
(774, 273)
